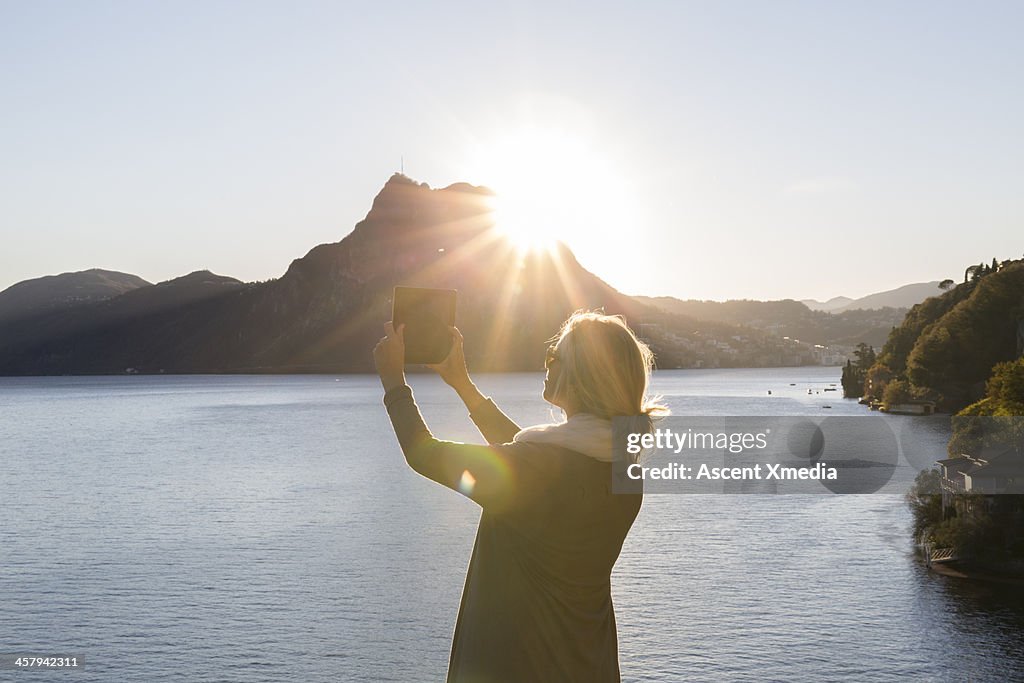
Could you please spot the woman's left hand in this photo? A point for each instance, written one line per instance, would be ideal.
(389, 357)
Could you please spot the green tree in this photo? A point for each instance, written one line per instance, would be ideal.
(865, 355)
(856, 371)
(925, 501)
(997, 420)
(896, 392)
(956, 354)
(1006, 386)
(878, 377)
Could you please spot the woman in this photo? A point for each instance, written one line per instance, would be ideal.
(537, 602)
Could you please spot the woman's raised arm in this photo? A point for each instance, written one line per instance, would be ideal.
(486, 474)
(495, 426)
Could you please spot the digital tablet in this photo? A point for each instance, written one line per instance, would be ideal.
(428, 315)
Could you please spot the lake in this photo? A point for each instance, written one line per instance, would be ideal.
(230, 528)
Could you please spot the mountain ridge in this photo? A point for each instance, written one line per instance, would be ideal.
(903, 296)
(790, 319)
(327, 310)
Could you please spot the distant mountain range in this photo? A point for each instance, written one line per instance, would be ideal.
(791, 319)
(901, 297)
(327, 311)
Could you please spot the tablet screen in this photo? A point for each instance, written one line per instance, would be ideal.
(427, 315)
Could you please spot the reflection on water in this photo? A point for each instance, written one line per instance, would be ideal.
(267, 528)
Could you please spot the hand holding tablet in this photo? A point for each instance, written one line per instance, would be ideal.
(428, 316)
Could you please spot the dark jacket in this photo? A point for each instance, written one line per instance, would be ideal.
(537, 602)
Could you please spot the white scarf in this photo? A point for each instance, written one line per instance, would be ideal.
(584, 433)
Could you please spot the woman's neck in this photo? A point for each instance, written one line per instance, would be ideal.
(571, 409)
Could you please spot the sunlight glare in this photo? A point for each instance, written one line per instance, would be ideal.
(551, 186)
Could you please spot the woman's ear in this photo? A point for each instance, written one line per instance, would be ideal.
(554, 387)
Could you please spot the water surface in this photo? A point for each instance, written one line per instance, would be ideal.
(267, 528)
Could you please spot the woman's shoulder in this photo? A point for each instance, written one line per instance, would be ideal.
(582, 434)
(548, 460)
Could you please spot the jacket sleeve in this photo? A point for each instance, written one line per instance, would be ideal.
(485, 474)
(495, 425)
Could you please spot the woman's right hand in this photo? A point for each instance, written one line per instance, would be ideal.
(453, 368)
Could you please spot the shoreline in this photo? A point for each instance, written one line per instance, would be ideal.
(964, 570)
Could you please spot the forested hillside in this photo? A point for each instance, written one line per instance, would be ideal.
(947, 346)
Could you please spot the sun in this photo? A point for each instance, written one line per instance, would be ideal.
(551, 185)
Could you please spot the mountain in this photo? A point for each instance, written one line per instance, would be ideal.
(901, 297)
(196, 286)
(327, 311)
(788, 318)
(65, 290)
(830, 305)
(82, 326)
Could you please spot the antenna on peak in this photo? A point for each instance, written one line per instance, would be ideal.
(401, 166)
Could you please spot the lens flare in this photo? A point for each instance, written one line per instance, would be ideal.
(467, 483)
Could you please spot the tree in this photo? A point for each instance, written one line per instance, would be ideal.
(925, 501)
(877, 378)
(855, 371)
(946, 284)
(1006, 385)
(995, 420)
(896, 392)
(865, 356)
(852, 388)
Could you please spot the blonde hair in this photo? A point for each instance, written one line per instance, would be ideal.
(605, 369)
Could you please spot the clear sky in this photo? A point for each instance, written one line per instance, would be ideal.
(708, 149)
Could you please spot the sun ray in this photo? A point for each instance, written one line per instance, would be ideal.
(497, 338)
(568, 282)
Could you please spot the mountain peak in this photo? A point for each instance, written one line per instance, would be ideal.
(402, 179)
(202, 277)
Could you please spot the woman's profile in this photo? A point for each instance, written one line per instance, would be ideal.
(537, 603)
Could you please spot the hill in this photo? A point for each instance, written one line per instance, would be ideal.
(65, 290)
(82, 327)
(901, 297)
(947, 346)
(830, 305)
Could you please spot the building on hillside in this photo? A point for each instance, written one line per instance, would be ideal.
(994, 472)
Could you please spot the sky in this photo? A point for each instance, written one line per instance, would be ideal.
(710, 150)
